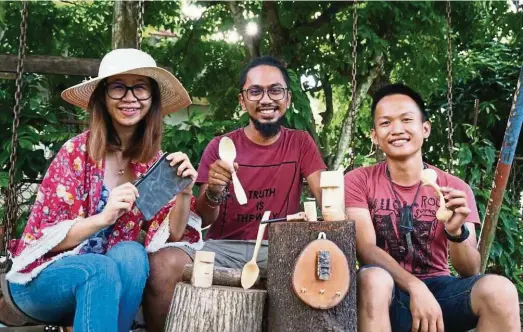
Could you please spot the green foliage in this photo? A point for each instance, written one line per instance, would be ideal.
(491, 77)
(299, 115)
(193, 135)
(40, 134)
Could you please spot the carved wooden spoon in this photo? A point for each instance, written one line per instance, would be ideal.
(428, 178)
(251, 270)
(227, 152)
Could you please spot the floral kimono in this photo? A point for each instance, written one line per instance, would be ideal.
(71, 190)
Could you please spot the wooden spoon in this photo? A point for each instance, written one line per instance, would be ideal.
(251, 270)
(227, 152)
(429, 178)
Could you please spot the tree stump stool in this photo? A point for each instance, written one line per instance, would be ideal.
(286, 312)
(215, 309)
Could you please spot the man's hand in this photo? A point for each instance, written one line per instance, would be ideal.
(457, 202)
(220, 175)
(425, 310)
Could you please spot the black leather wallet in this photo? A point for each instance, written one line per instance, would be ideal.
(158, 186)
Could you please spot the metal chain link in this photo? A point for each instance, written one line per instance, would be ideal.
(449, 90)
(352, 111)
(139, 25)
(11, 214)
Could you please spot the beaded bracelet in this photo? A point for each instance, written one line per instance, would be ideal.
(216, 200)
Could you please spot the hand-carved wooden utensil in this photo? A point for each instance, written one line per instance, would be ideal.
(227, 152)
(429, 178)
(251, 270)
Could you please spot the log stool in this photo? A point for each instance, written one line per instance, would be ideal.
(222, 307)
(286, 312)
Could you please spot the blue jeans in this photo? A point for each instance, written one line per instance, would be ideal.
(101, 292)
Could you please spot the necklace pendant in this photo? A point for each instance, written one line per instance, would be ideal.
(121, 172)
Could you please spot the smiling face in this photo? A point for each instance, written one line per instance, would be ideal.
(263, 83)
(129, 110)
(399, 129)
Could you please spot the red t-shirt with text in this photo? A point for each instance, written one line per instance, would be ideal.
(271, 176)
(370, 188)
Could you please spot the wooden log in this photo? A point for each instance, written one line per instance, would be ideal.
(47, 64)
(51, 65)
(286, 312)
(215, 309)
(223, 276)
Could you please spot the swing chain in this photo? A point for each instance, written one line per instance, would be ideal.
(352, 114)
(11, 214)
(449, 89)
(139, 25)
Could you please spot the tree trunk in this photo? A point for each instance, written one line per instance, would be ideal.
(286, 311)
(250, 42)
(215, 309)
(125, 22)
(346, 135)
(278, 36)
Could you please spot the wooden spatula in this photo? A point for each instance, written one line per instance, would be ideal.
(227, 152)
(429, 178)
(251, 270)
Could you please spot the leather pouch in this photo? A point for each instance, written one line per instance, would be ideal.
(158, 186)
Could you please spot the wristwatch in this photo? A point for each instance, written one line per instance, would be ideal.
(460, 238)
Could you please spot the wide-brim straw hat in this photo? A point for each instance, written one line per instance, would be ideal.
(132, 61)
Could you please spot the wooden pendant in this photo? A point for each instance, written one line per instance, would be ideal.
(321, 275)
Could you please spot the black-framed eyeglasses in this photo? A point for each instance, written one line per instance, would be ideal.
(117, 91)
(275, 93)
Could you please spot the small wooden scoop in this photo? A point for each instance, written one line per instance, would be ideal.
(429, 178)
(251, 270)
(227, 152)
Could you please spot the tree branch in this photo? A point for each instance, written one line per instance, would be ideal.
(327, 115)
(346, 135)
(326, 16)
(278, 36)
(250, 42)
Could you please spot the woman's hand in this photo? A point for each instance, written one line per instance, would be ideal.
(185, 169)
(121, 200)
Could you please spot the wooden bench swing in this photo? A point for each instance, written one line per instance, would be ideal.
(273, 305)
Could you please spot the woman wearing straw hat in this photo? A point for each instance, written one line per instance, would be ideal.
(77, 256)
